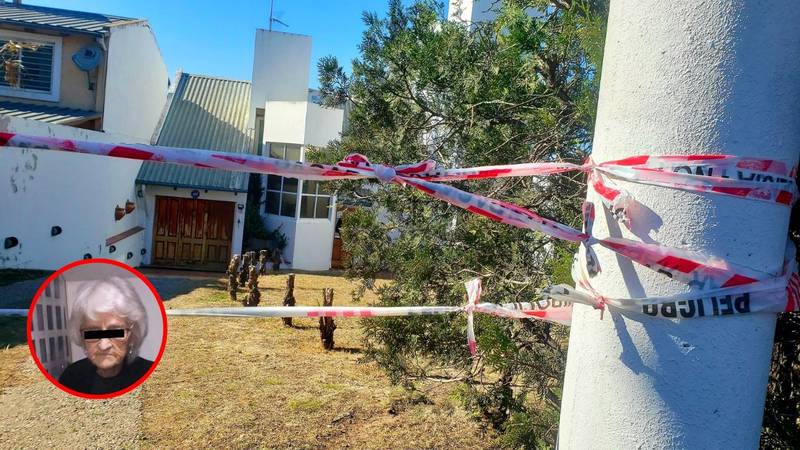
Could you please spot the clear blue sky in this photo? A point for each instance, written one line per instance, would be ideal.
(216, 37)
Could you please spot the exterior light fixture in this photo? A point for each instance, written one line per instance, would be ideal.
(55, 230)
(129, 255)
(112, 249)
(139, 193)
(87, 256)
(10, 242)
(240, 206)
(143, 251)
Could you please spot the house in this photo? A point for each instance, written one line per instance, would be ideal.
(288, 121)
(83, 76)
(195, 216)
(105, 81)
(122, 91)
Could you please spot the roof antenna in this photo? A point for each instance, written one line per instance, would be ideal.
(273, 19)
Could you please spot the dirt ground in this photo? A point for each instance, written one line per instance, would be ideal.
(233, 383)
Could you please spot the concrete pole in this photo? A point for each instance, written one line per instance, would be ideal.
(680, 77)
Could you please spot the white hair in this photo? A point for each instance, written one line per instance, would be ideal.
(114, 295)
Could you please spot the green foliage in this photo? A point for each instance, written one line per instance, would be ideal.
(781, 428)
(782, 410)
(560, 266)
(253, 224)
(366, 243)
(521, 89)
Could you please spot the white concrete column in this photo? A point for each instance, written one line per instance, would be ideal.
(683, 77)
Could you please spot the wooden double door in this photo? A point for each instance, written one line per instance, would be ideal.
(190, 232)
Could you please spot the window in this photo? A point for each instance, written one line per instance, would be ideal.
(39, 76)
(285, 151)
(315, 202)
(281, 196)
(259, 131)
(282, 192)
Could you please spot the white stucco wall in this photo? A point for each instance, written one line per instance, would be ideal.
(136, 82)
(313, 244)
(149, 200)
(285, 122)
(43, 188)
(322, 124)
(281, 63)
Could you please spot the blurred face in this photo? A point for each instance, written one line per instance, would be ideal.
(107, 354)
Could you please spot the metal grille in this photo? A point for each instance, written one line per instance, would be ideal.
(37, 68)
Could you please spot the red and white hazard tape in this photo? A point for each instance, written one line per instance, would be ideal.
(741, 177)
(555, 306)
(748, 178)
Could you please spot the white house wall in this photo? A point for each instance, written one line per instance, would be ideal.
(285, 122)
(136, 82)
(471, 11)
(40, 189)
(149, 194)
(478, 11)
(313, 244)
(322, 124)
(280, 69)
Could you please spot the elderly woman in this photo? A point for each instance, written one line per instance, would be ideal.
(109, 320)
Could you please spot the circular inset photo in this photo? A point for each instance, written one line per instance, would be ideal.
(97, 328)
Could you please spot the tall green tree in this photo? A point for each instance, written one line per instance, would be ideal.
(519, 89)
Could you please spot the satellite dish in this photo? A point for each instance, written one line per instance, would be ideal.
(88, 57)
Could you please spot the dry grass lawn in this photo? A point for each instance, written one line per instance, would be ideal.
(241, 383)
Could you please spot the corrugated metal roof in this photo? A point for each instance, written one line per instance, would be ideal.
(49, 114)
(31, 16)
(205, 113)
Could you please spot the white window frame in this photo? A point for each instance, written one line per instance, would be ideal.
(55, 81)
(282, 192)
(316, 195)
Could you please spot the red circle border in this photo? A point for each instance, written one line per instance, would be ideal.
(147, 283)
